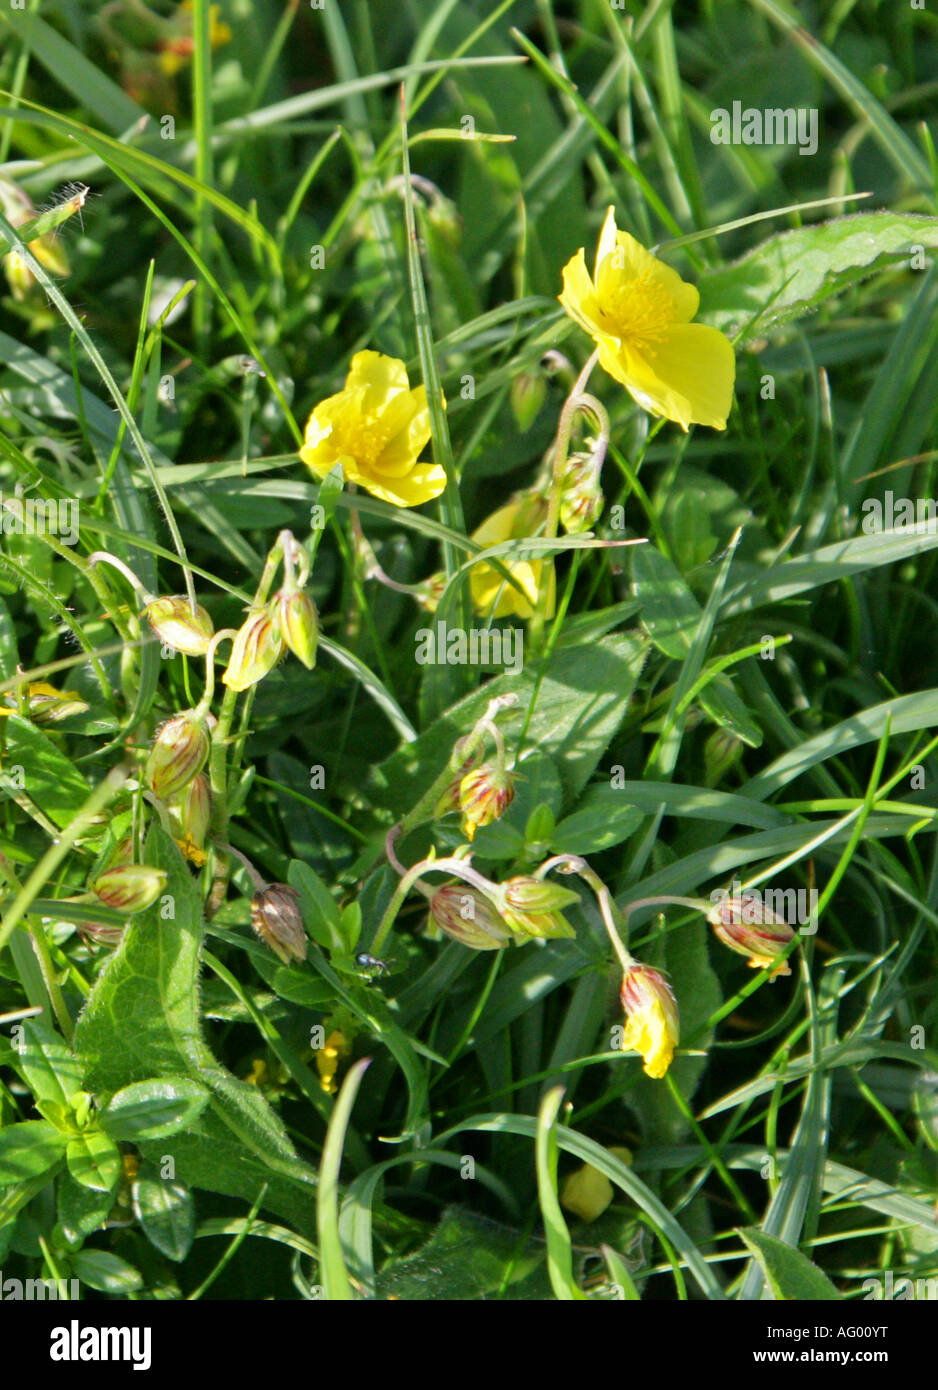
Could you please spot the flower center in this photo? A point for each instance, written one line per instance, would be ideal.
(363, 440)
(639, 309)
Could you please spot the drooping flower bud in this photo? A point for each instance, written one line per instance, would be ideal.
(45, 704)
(652, 1025)
(528, 391)
(299, 624)
(130, 887)
(179, 752)
(429, 591)
(581, 498)
(531, 906)
(172, 620)
(101, 932)
(485, 794)
(190, 812)
(256, 649)
(276, 917)
(747, 926)
(466, 915)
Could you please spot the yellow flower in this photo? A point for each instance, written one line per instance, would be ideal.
(177, 51)
(375, 427)
(328, 1059)
(518, 518)
(638, 312)
(652, 1027)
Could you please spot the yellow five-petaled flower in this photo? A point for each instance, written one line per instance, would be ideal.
(638, 312)
(375, 427)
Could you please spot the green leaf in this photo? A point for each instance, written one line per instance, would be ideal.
(166, 1213)
(237, 1144)
(50, 1068)
(790, 1274)
(793, 272)
(153, 1109)
(604, 818)
(94, 1161)
(669, 610)
(468, 1257)
(27, 1150)
(106, 1272)
(50, 782)
(81, 1210)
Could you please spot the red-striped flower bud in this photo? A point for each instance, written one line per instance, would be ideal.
(256, 649)
(485, 794)
(129, 888)
(747, 926)
(467, 916)
(174, 623)
(179, 752)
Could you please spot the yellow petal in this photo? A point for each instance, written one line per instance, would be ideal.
(687, 377)
(379, 377)
(629, 261)
(579, 296)
(424, 482)
(403, 448)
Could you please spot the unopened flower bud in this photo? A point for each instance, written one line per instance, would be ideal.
(747, 926)
(581, 498)
(276, 917)
(485, 794)
(179, 752)
(299, 624)
(190, 812)
(652, 1025)
(104, 933)
(587, 1192)
(467, 916)
(256, 649)
(172, 620)
(429, 591)
(46, 705)
(531, 906)
(528, 391)
(129, 888)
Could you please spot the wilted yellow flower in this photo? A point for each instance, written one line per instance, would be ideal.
(174, 623)
(652, 1026)
(638, 312)
(45, 704)
(375, 427)
(516, 519)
